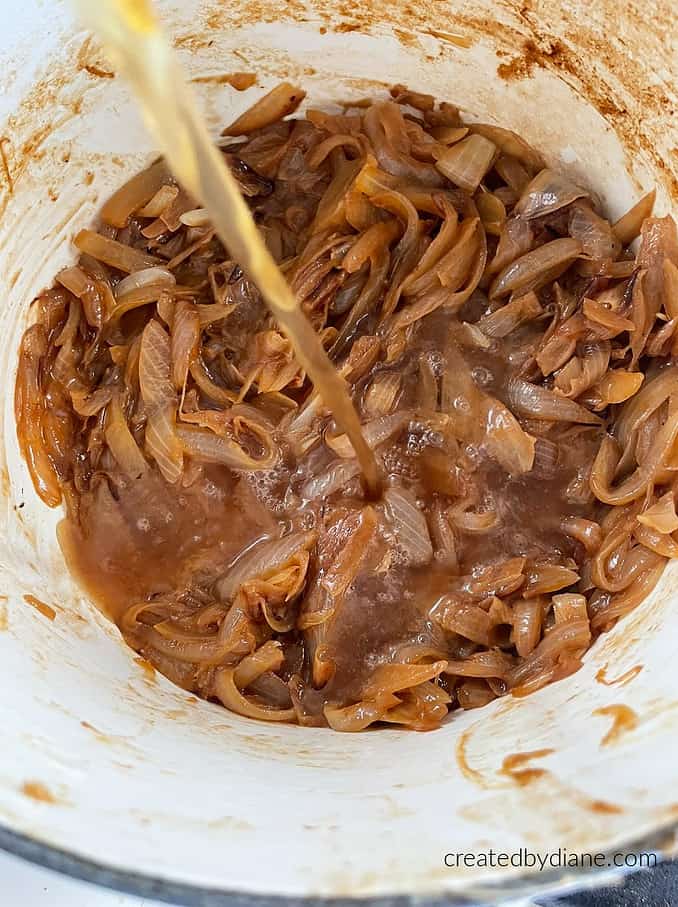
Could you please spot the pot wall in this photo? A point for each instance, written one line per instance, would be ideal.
(106, 759)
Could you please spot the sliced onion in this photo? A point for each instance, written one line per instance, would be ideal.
(536, 268)
(482, 664)
(324, 148)
(598, 241)
(617, 385)
(570, 636)
(541, 403)
(506, 441)
(463, 618)
(156, 277)
(87, 403)
(213, 312)
(262, 559)
(628, 226)
(121, 442)
(134, 194)
(376, 432)
(371, 242)
(381, 396)
(209, 387)
(386, 129)
(448, 135)
(497, 579)
(475, 523)
(268, 657)
(226, 689)
(662, 515)
(653, 394)
(582, 371)
(392, 678)
(507, 318)
(278, 103)
(115, 254)
(198, 217)
(549, 191)
(656, 541)
(527, 622)
(546, 455)
(515, 240)
(492, 212)
(509, 142)
(585, 531)
(185, 341)
(204, 445)
(545, 578)
(512, 172)
(606, 318)
(160, 401)
(466, 162)
(162, 199)
(409, 526)
(637, 483)
(359, 716)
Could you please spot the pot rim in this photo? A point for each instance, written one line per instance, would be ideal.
(661, 841)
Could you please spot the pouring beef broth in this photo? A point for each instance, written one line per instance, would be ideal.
(512, 364)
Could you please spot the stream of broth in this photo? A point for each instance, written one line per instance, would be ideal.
(132, 36)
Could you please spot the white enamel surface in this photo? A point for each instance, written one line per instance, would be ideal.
(184, 790)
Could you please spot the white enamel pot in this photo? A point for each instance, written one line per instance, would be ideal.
(113, 774)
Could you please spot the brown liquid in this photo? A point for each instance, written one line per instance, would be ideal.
(133, 38)
(145, 539)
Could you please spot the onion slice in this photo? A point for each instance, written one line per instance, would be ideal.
(278, 103)
(409, 526)
(263, 559)
(548, 192)
(466, 162)
(539, 402)
(536, 268)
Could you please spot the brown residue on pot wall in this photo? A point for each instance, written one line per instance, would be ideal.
(623, 719)
(620, 61)
(517, 769)
(621, 680)
(46, 610)
(36, 790)
(147, 668)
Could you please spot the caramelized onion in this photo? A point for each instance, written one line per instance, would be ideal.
(113, 253)
(226, 689)
(134, 195)
(262, 560)
(278, 103)
(548, 192)
(160, 400)
(539, 402)
(661, 516)
(536, 268)
(122, 444)
(207, 447)
(508, 317)
(466, 162)
(627, 228)
(409, 526)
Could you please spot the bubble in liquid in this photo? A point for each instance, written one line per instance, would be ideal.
(437, 362)
(482, 376)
